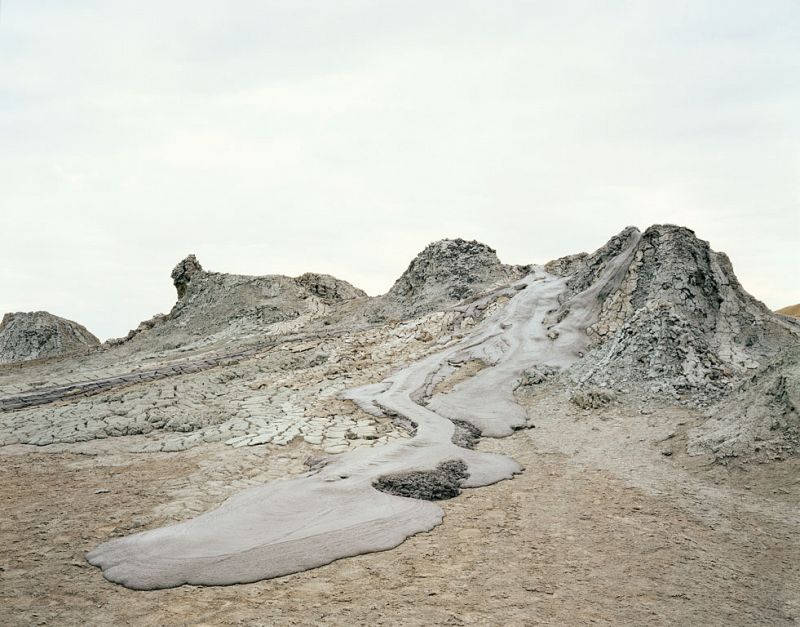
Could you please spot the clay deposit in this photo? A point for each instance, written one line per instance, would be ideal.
(394, 400)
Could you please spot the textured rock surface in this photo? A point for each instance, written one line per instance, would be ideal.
(183, 272)
(761, 418)
(445, 273)
(38, 334)
(592, 398)
(566, 266)
(329, 289)
(213, 305)
(679, 322)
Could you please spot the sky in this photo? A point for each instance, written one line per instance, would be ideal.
(342, 137)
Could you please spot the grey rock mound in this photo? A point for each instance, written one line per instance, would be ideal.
(39, 334)
(183, 272)
(677, 323)
(760, 419)
(445, 273)
(211, 303)
(328, 288)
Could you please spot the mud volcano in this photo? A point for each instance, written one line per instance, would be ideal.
(336, 511)
(657, 313)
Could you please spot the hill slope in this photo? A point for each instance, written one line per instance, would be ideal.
(791, 310)
(39, 334)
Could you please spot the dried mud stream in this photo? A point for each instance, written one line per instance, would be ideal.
(599, 529)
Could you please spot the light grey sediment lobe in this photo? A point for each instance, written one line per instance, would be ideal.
(335, 511)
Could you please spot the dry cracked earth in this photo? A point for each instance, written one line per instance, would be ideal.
(612, 522)
(601, 528)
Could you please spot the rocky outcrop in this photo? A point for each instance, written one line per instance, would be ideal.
(677, 323)
(183, 272)
(446, 273)
(231, 305)
(328, 288)
(582, 271)
(39, 334)
(566, 266)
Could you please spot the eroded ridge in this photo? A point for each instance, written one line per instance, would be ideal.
(335, 511)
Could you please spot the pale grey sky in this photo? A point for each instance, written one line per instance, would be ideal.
(341, 137)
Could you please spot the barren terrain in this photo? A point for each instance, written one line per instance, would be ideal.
(651, 401)
(602, 527)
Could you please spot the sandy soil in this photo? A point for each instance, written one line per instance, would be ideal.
(610, 524)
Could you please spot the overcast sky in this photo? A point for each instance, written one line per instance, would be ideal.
(343, 136)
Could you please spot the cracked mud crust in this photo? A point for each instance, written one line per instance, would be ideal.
(192, 418)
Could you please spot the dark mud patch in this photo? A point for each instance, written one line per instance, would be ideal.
(444, 482)
(466, 435)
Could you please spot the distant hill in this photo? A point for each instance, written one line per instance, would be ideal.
(791, 310)
(39, 334)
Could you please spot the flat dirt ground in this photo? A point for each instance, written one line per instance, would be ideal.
(610, 524)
